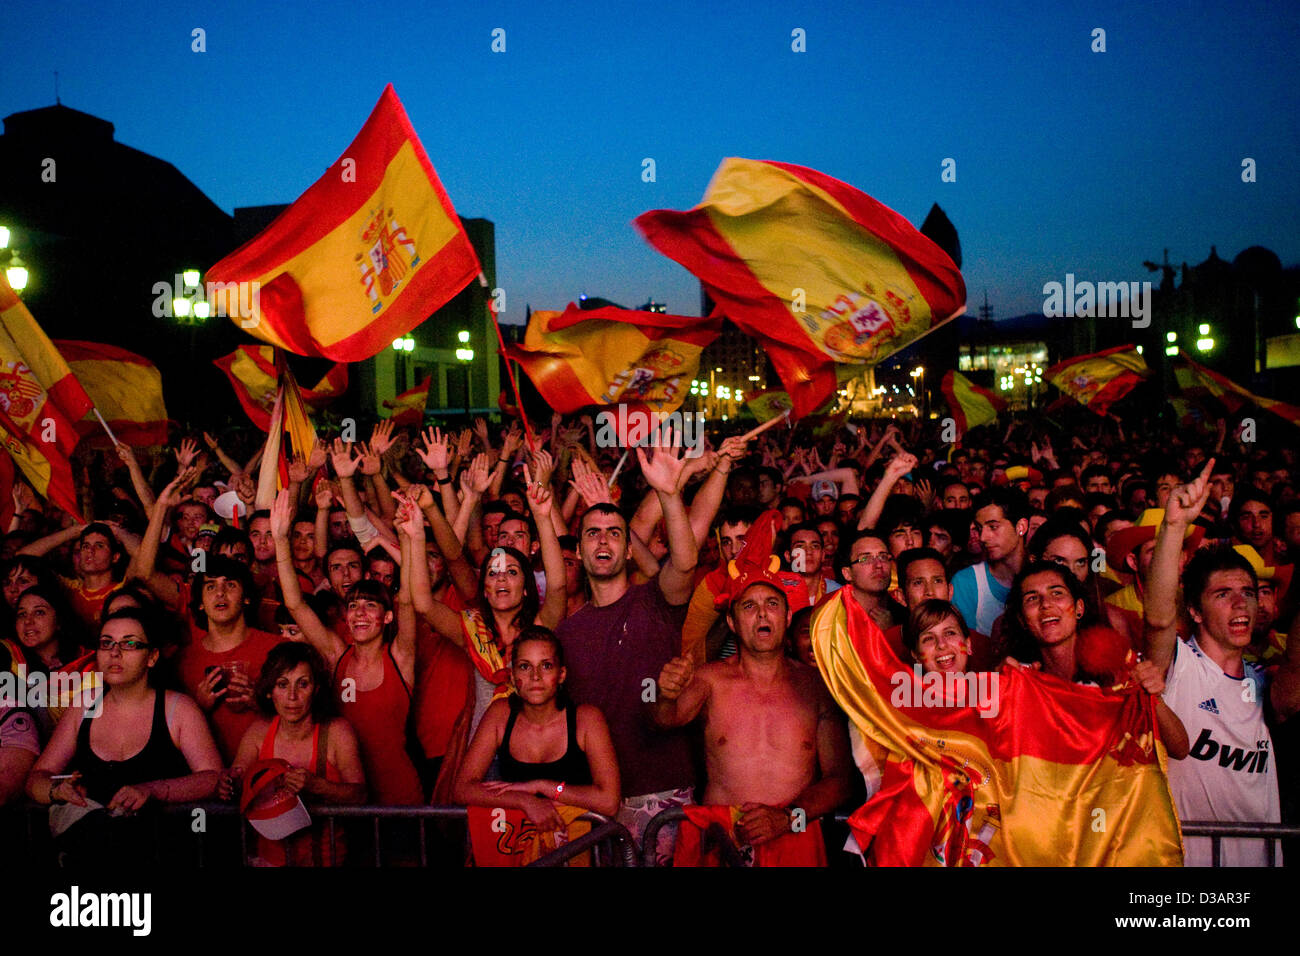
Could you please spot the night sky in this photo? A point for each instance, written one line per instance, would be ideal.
(1067, 160)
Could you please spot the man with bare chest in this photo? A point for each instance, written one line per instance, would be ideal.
(777, 750)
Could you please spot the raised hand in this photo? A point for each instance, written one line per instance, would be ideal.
(282, 515)
(463, 441)
(476, 479)
(434, 454)
(345, 466)
(925, 492)
(245, 487)
(511, 441)
(324, 496)
(171, 495)
(369, 461)
(1186, 501)
(481, 430)
(187, 452)
(663, 471)
(539, 497)
(899, 466)
(420, 495)
(126, 453)
(316, 459)
(210, 441)
(589, 483)
(543, 465)
(381, 437)
(408, 520)
(298, 470)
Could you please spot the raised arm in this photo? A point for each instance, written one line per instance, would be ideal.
(898, 466)
(144, 563)
(676, 579)
(709, 498)
(327, 643)
(540, 502)
(1160, 602)
(680, 693)
(142, 490)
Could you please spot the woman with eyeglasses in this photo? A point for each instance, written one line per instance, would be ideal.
(141, 744)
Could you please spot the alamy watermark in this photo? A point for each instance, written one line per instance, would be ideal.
(241, 300)
(915, 688)
(629, 427)
(60, 689)
(1104, 300)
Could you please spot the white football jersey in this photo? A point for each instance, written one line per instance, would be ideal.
(1230, 774)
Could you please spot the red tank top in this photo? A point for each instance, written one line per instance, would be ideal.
(309, 847)
(379, 717)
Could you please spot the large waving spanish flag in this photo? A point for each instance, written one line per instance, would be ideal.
(125, 387)
(361, 258)
(1042, 773)
(612, 356)
(1099, 380)
(256, 379)
(971, 405)
(817, 271)
(41, 402)
(1197, 381)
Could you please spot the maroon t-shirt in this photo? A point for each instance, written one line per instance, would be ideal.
(609, 652)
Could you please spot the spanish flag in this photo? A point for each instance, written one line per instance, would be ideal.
(1039, 772)
(613, 356)
(1099, 380)
(408, 408)
(125, 387)
(255, 378)
(768, 404)
(369, 252)
(1197, 381)
(971, 405)
(40, 403)
(817, 271)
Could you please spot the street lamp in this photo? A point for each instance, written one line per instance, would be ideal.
(15, 271)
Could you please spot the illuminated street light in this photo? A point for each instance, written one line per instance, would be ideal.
(1139, 350)
(1171, 349)
(1204, 345)
(180, 307)
(191, 277)
(463, 336)
(465, 355)
(201, 309)
(1171, 336)
(1205, 328)
(4, 237)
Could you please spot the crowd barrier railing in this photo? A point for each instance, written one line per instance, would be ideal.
(215, 843)
(1216, 831)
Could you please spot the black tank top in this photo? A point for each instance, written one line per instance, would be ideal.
(572, 768)
(159, 760)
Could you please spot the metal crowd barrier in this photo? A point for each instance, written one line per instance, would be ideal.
(609, 841)
(1217, 832)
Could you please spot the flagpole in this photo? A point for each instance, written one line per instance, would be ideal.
(519, 402)
(105, 424)
(753, 432)
(619, 467)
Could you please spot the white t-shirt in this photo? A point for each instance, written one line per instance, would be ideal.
(1230, 774)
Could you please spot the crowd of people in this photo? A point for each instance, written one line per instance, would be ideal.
(528, 621)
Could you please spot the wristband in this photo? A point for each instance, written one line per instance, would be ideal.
(445, 481)
(503, 461)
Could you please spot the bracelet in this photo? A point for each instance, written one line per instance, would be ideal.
(445, 481)
(503, 461)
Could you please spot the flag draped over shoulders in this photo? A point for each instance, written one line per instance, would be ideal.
(366, 254)
(1041, 773)
(818, 272)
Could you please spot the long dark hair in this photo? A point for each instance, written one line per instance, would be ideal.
(532, 601)
(69, 633)
(283, 658)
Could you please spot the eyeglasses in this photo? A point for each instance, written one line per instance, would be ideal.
(127, 644)
(878, 558)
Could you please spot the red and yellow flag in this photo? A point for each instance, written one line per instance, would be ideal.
(971, 405)
(408, 408)
(40, 403)
(613, 356)
(768, 404)
(251, 370)
(125, 387)
(1099, 380)
(1197, 381)
(817, 271)
(364, 256)
(1037, 772)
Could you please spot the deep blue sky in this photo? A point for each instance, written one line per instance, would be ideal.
(1067, 160)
